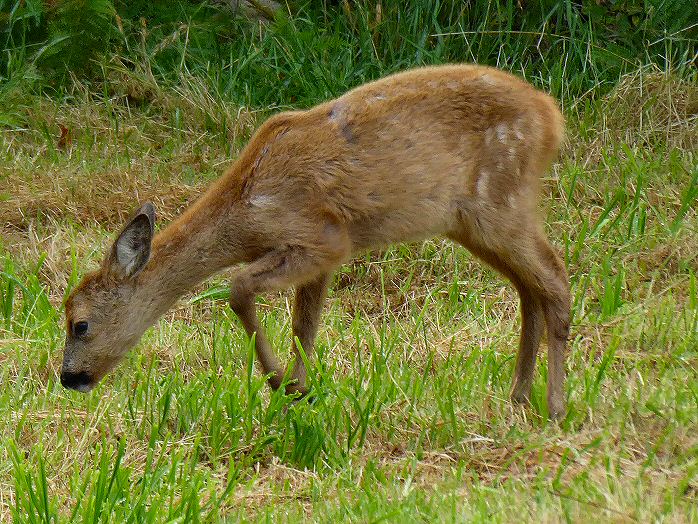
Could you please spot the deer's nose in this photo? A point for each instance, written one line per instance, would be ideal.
(79, 381)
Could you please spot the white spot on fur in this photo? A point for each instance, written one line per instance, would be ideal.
(502, 131)
(482, 182)
(261, 201)
(453, 85)
(517, 130)
(487, 79)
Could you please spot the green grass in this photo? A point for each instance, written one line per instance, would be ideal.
(411, 418)
(316, 49)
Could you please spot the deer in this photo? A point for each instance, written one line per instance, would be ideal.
(456, 151)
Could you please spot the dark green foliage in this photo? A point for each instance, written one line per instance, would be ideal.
(79, 30)
(323, 48)
(61, 36)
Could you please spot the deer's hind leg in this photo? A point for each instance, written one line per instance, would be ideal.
(520, 251)
(532, 319)
(553, 283)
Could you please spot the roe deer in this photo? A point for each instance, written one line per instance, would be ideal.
(455, 150)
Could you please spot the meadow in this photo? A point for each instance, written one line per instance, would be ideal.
(411, 418)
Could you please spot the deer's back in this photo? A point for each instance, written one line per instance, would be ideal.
(397, 155)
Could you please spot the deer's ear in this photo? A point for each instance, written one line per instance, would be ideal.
(131, 250)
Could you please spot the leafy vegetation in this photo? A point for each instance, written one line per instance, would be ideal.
(319, 49)
(120, 102)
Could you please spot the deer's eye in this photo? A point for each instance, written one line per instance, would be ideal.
(80, 328)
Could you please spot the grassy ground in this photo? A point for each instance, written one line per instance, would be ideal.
(412, 419)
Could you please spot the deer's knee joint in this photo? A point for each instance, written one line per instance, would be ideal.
(297, 327)
(562, 324)
(565, 326)
(559, 328)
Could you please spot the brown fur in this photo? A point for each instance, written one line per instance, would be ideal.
(453, 150)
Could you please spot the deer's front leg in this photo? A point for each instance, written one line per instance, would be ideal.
(243, 290)
(306, 319)
(277, 270)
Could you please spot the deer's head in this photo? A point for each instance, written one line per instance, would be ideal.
(106, 314)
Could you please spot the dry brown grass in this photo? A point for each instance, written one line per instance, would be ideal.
(651, 107)
(648, 109)
(109, 155)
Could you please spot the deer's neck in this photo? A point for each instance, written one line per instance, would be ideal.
(207, 238)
